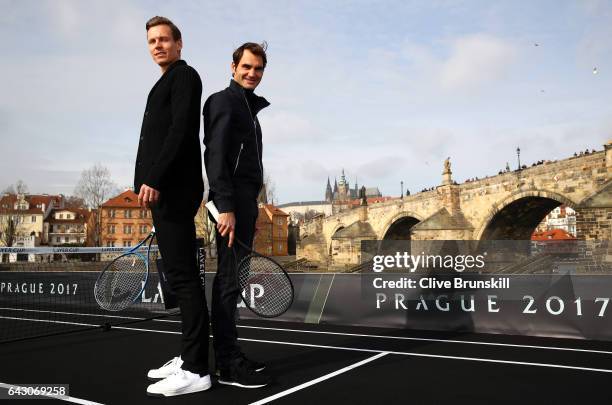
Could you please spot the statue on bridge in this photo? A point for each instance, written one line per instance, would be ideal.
(446, 174)
(447, 166)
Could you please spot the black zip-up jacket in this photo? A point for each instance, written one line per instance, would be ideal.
(232, 136)
(169, 156)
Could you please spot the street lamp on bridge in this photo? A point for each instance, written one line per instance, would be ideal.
(518, 155)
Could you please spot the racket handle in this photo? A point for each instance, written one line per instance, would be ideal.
(212, 209)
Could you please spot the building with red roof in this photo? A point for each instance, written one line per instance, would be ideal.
(27, 212)
(553, 234)
(272, 231)
(123, 222)
(68, 226)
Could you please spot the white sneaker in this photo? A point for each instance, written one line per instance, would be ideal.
(166, 370)
(178, 383)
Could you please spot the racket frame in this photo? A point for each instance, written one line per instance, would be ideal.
(131, 251)
(210, 205)
(251, 253)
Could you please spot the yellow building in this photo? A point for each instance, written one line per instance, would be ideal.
(27, 213)
(22, 221)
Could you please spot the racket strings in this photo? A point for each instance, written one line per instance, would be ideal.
(121, 283)
(264, 285)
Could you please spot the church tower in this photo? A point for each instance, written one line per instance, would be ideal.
(343, 188)
(329, 195)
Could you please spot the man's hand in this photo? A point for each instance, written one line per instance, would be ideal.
(225, 224)
(147, 196)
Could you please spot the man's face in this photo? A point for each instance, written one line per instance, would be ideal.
(249, 71)
(162, 46)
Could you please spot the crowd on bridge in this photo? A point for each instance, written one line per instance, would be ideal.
(507, 169)
(586, 152)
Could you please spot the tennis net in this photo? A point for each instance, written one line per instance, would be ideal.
(47, 291)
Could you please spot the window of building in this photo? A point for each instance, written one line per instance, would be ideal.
(33, 218)
(127, 243)
(127, 214)
(61, 216)
(144, 229)
(269, 250)
(111, 229)
(57, 239)
(111, 213)
(127, 229)
(280, 247)
(110, 243)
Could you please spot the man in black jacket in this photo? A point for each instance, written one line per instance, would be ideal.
(168, 179)
(232, 157)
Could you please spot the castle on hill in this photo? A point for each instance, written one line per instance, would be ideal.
(342, 195)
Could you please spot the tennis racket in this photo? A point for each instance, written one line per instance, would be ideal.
(265, 287)
(124, 279)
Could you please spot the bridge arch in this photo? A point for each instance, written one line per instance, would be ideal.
(338, 227)
(517, 216)
(398, 227)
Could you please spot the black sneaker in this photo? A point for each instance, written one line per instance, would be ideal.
(254, 365)
(241, 375)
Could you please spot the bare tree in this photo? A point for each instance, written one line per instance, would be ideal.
(18, 188)
(270, 189)
(8, 229)
(21, 187)
(95, 187)
(74, 202)
(267, 195)
(310, 214)
(92, 236)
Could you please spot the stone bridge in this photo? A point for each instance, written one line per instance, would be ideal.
(508, 206)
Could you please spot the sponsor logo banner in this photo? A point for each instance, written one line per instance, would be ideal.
(560, 305)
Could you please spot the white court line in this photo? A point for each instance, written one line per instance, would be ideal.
(412, 354)
(469, 342)
(60, 397)
(331, 283)
(48, 321)
(317, 380)
(70, 313)
(569, 349)
(436, 356)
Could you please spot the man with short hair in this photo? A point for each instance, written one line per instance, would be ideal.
(168, 179)
(232, 157)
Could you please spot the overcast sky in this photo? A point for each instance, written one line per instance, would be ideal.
(386, 90)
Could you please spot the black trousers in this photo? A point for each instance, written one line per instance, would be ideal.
(176, 237)
(225, 292)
